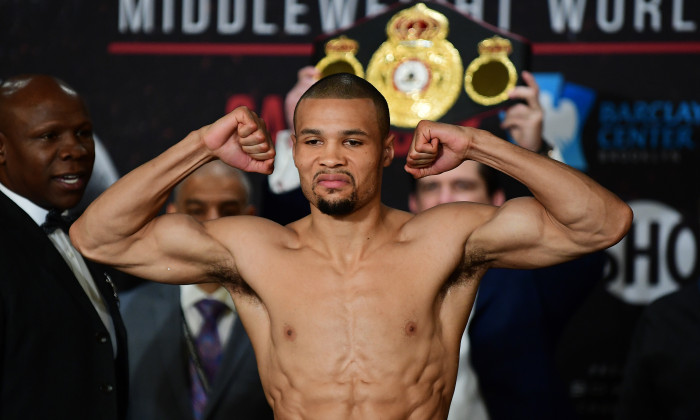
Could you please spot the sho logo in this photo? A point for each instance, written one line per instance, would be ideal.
(659, 253)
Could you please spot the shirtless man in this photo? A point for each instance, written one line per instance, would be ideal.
(357, 310)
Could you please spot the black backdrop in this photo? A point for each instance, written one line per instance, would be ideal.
(151, 72)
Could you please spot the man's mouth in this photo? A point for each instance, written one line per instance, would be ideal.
(333, 181)
(69, 179)
(72, 181)
(332, 185)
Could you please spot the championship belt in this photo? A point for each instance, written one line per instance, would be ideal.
(417, 69)
(414, 54)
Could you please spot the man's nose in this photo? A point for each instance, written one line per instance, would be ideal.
(332, 155)
(446, 195)
(212, 214)
(74, 146)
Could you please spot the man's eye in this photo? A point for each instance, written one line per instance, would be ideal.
(84, 133)
(428, 187)
(353, 142)
(464, 186)
(234, 211)
(51, 135)
(313, 142)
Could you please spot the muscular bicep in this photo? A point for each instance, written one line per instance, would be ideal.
(173, 248)
(522, 234)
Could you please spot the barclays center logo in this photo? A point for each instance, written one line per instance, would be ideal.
(628, 131)
(647, 132)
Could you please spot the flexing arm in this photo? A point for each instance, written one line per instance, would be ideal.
(120, 227)
(570, 214)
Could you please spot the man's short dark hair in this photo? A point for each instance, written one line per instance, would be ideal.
(349, 86)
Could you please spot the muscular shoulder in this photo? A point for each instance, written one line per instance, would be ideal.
(252, 242)
(244, 232)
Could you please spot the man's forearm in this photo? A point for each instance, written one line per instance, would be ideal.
(128, 205)
(590, 211)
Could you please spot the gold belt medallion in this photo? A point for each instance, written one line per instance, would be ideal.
(491, 75)
(417, 69)
(340, 58)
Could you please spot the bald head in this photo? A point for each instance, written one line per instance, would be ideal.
(30, 90)
(214, 190)
(46, 145)
(17, 83)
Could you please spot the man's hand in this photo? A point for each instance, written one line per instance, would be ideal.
(437, 148)
(524, 121)
(306, 77)
(241, 140)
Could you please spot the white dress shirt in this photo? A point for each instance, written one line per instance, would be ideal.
(72, 257)
(190, 294)
(285, 177)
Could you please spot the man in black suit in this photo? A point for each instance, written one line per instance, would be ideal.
(62, 342)
(165, 325)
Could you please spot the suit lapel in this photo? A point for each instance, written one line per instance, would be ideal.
(22, 229)
(100, 275)
(109, 296)
(172, 342)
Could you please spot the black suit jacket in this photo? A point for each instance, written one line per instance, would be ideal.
(662, 374)
(159, 364)
(56, 357)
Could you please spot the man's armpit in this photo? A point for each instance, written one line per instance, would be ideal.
(231, 279)
(471, 268)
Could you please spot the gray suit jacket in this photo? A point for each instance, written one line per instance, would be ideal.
(158, 363)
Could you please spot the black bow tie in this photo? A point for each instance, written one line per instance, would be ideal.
(55, 220)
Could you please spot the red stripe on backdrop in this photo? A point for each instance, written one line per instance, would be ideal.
(595, 48)
(170, 48)
(559, 48)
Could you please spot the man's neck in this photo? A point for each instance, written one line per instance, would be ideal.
(347, 238)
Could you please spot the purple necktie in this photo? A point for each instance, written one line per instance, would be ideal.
(209, 351)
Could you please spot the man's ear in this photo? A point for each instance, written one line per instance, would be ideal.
(388, 153)
(294, 144)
